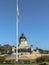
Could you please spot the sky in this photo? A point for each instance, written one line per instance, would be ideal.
(33, 22)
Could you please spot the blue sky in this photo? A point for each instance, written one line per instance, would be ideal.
(33, 22)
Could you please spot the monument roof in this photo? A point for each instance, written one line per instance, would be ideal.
(22, 37)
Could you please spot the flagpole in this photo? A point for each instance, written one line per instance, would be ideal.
(17, 31)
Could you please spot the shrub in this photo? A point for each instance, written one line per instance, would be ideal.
(43, 58)
(43, 64)
(26, 61)
(10, 61)
(2, 59)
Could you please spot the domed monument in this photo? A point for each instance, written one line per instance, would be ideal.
(23, 42)
(24, 51)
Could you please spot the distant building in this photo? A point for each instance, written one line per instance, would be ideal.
(23, 46)
(24, 51)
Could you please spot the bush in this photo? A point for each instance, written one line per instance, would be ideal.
(40, 59)
(43, 58)
(2, 59)
(26, 61)
(43, 64)
(10, 61)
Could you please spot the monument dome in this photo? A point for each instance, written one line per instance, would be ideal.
(23, 41)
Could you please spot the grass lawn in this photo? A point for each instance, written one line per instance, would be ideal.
(24, 64)
(18, 64)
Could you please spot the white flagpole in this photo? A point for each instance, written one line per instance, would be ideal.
(16, 30)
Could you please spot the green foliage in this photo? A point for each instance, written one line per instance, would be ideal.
(43, 51)
(27, 61)
(42, 59)
(2, 59)
(10, 61)
(43, 64)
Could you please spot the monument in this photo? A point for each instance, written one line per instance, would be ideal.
(23, 42)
